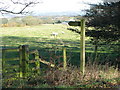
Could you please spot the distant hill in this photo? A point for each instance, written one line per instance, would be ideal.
(59, 14)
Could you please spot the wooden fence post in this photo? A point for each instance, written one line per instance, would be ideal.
(3, 60)
(37, 62)
(95, 50)
(24, 56)
(82, 47)
(20, 55)
(64, 58)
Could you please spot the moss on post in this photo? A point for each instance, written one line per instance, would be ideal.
(25, 59)
(37, 62)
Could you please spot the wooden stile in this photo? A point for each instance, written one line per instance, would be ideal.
(24, 60)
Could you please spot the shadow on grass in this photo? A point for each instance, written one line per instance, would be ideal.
(35, 41)
(51, 49)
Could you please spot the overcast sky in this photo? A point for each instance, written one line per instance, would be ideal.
(56, 6)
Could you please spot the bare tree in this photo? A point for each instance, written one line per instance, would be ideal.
(17, 6)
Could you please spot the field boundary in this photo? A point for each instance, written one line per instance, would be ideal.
(24, 60)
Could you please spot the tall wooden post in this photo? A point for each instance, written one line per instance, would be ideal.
(82, 47)
(82, 42)
(20, 55)
(64, 58)
(3, 62)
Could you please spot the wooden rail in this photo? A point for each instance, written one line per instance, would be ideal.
(11, 59)
(24, 61)
(10, 50)
(45, 62)
(13, 66)
(32, 52)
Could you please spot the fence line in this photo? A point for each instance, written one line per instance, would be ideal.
(24, 59)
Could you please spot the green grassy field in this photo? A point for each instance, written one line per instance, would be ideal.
(39, 37)
(50, 47)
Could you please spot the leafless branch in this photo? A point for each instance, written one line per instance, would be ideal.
(27, 3)
(17, 2)
(22, 10)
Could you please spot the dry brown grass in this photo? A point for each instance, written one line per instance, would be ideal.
(102, 75)
(96, 76)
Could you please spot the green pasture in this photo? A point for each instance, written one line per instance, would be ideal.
(39, 37)
(50, 47)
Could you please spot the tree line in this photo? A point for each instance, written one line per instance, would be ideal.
(32, 20)
(20, 21)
